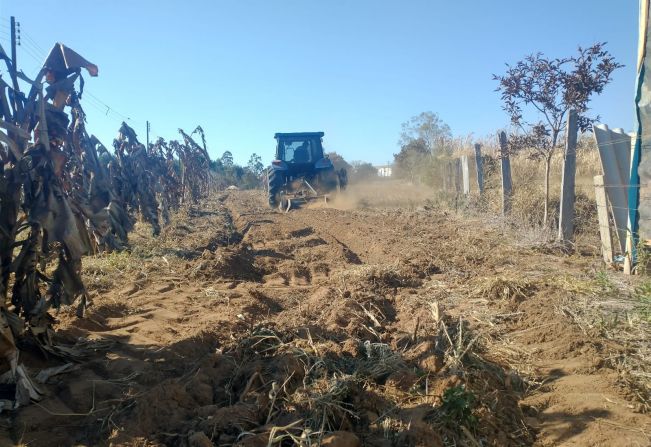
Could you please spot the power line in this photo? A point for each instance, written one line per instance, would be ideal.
(33, 49)
(102, 111)
(31, 54)
(36, 49)
(111, 109)
(33, 42)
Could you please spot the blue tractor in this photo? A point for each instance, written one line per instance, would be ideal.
(301, 172)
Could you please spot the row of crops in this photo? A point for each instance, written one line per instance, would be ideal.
(64, 195)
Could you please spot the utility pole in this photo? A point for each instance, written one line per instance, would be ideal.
(14, 72)
(148, 128)
(13, 41)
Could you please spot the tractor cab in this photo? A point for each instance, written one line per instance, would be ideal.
(299, 152)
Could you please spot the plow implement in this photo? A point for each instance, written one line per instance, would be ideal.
(294, 199)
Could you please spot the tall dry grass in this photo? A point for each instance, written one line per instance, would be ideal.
(528, 188)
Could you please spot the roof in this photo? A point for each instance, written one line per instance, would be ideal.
(299, 135)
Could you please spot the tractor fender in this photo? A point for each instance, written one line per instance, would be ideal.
(324, 163)
(279, 165)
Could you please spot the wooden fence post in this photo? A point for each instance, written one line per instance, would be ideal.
(602, 214)
(479, 164)
(507, 186)
(465, 171)
(566, 219)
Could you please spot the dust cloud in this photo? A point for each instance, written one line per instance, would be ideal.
(382, 194)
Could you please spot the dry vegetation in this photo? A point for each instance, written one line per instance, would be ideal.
(528, 193)
(380, 326)
(426, 176)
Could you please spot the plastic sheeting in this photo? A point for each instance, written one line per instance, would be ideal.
(640, 198)
(615, 154)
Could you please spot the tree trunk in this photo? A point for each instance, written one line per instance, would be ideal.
(555, 134)
(548, 162)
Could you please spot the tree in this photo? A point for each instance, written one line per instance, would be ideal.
(216, 166)
(548, 89)
(227, 159)
(430, 129)
(339, 162)
(255, 165)
(363, 171)
(411, 158)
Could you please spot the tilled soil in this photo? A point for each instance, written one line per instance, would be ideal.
(244, 326)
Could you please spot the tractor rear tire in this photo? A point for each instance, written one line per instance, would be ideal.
(343, 178)
(275, 184)
(329, 181)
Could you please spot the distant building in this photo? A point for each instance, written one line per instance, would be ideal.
(383, 171)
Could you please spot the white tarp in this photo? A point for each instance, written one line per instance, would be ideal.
(615, 154)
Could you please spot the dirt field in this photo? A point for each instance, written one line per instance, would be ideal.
(349, 327)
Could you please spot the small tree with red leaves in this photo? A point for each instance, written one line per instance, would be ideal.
(546, 89)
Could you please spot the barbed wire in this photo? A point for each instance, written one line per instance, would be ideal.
(620, 208)
(623, 185)
(628, 139)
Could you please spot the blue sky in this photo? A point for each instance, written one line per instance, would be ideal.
(355, 69)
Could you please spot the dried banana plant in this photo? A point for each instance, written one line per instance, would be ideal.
(64, 195)
(134, 175)
(95, 197)
(168, 184)
(196, 175)
(43, 230)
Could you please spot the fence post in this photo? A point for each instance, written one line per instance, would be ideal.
(507, 186)
(566, 219)
(635, 200)
(602, 214)
(465, 171)
(479, 164)
(456, 169)
(449, 183)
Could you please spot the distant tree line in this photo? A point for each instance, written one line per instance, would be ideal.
(358, 171)
(227, 173)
